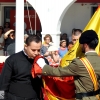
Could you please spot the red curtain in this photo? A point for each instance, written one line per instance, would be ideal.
(1, 66)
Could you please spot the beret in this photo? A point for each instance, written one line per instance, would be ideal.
(88, 36)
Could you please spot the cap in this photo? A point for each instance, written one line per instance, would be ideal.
(88, 36)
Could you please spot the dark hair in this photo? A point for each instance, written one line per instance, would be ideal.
(93, 44)
(32, 38)
(74, 31)
(39, 34)
(70, 43)
(13, 32)
(7, 23)
(2, 29)
(64, 36)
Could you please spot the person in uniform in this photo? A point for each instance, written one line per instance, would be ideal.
(16, 79)
(84, 85)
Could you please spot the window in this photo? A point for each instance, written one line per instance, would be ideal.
(7, 12)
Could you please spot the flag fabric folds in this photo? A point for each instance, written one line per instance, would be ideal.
(55, 88)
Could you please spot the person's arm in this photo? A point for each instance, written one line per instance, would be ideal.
(5, 76)
(7, 33)
(71, 70)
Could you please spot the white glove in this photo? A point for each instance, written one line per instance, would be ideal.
(41, 62)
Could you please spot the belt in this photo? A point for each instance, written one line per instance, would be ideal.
(92, 93)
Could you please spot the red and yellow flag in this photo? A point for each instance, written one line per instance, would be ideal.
(56, 88)
(74, 52)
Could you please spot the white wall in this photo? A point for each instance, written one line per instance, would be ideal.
(51, 14)
(77, 16)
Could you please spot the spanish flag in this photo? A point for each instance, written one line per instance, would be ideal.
(56, 88)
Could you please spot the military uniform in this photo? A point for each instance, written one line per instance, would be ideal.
(83, 81)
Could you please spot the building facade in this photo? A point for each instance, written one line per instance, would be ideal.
(55, 16)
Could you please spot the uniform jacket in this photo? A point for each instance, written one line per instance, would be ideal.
(76, 68)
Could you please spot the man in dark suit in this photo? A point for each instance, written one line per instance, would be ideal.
(84, 85)
(16, 79)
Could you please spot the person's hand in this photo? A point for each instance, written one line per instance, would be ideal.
(41, 62)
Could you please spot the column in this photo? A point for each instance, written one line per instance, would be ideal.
(51, 13)
(19, 25)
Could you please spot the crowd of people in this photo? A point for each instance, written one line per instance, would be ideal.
(7, 37)
(16, 77)
(7, 43)
(54, 54)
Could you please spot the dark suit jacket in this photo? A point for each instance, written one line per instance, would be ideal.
(76, 68)
(16, 77)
